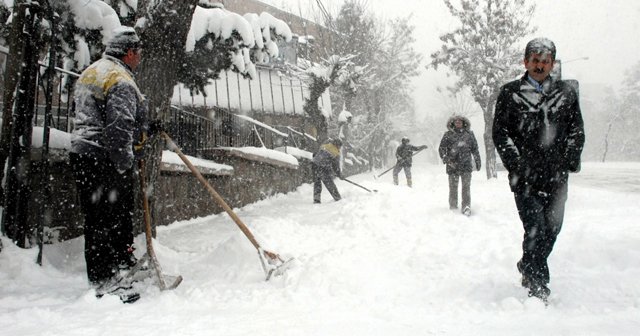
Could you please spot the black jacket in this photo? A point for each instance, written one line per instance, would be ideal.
(404, 154)
(459, 148)
(539, 135)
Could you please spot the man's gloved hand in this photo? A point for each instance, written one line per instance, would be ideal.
(423, 147)
(156, 127)
(478, 165)
(139, 147)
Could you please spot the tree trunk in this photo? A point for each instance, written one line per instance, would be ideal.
(12, 74)
(164, 42)
(316, 89)
(18, 187)
(490, 148)
(606, 142)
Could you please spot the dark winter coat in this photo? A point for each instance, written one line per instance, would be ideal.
(459, 148)
(328, 158)
(110, 113)
(404, 154)
(539, 135)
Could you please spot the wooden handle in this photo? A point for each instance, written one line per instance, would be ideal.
(212, 191)
(147, 228)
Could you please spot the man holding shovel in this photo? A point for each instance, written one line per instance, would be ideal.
(111, 115)
(326, 163)
(404, 154)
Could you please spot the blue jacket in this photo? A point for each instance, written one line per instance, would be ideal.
(328, 158)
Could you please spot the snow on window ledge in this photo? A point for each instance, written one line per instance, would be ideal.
(262, 154)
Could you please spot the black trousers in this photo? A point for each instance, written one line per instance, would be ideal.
(465, 190)
(106, 198)
(323, 175)
(542, 215)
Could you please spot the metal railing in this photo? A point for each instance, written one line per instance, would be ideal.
(62, 109)
(194, 129)
(195, 132)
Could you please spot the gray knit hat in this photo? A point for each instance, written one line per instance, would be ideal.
(122, 39)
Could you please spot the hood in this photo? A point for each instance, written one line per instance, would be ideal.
(465, 122)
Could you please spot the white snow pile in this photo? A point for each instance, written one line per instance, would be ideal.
(392, 262)
(296, 152)
(263, 154)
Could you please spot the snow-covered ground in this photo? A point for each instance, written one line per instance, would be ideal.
(394, 262)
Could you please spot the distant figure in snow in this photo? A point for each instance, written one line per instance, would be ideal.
(404, 155)
(459, 152)
(539, 134)
(326, 163)
(111, 118)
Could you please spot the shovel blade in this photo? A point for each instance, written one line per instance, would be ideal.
(279, 269)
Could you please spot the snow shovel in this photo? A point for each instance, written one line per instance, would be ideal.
(272, 263)
(150, 255)
(388, 170)
(369, 190)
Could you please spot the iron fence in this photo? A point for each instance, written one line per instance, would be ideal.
(193, 128)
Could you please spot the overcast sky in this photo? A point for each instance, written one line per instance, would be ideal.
(603, 30)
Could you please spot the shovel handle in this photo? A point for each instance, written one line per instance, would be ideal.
(147, 228)
(215, 195)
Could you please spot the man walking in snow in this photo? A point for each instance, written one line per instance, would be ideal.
(404, 155)
(539, 134)
(459, 151)
(110, 120)
(326, 163)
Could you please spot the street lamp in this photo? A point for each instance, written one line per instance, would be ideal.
(585, 58)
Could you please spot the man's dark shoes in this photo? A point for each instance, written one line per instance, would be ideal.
(118, 286)
(536, 289)
(539, 290)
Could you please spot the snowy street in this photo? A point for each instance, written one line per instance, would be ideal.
(395, 262)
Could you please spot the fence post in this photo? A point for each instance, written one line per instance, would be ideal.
(260, 85)
(46, 128)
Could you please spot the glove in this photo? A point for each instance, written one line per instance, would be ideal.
(423, 147)
(156, 126)
(478, 165)
(139, 147)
